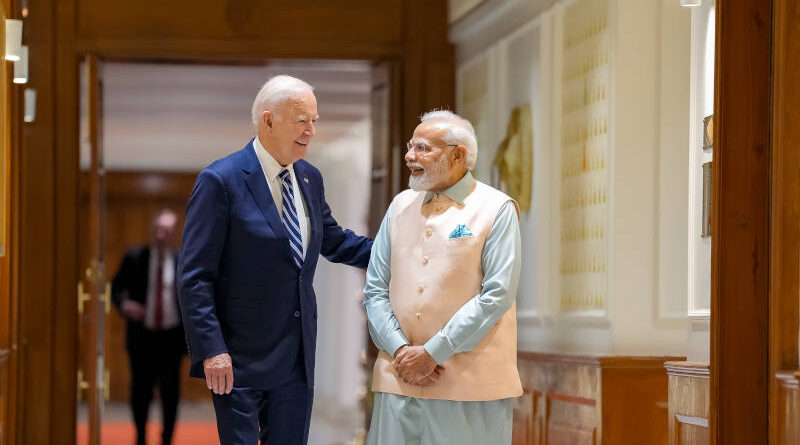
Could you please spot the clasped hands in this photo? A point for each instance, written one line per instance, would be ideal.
(415, 366)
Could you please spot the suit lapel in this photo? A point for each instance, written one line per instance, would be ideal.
(257, 185)
(304, 182)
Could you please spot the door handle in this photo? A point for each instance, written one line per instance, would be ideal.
(107, 298)
(83, 297)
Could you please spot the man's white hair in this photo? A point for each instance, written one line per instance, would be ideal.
(275, 92)
(459, 132)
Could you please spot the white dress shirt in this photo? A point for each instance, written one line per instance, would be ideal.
(272, 169)
(169, 307)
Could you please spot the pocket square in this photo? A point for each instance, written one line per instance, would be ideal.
(461, 231)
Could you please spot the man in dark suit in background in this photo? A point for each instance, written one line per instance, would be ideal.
(256, 224)
(144, 291)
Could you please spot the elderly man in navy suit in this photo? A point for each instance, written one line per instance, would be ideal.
(256, 223)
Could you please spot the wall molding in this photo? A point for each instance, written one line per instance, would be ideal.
(688, 369)
(491, 21)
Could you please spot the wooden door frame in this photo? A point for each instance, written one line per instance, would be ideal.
(9, 265)
(741, 349)
(784, 310)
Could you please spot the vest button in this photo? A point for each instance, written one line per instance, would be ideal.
(296, 314)
(425, 261)
(428, 232)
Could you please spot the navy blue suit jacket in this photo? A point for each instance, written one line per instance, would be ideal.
(238, 288)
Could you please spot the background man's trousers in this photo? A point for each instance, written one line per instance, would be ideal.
(156, 360)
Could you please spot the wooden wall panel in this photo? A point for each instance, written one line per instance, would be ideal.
(688, 403)
(571, 421)
(784, 310)
(740, 252)
(11, 400)
(3, 394)
(524, 419)
(39, 312)
(8, 318)
(341, 21)
(593, 400)
(5, 150)
(635, 389)
(787, 418)
(62, 100)
(693, 434)
(133, 199)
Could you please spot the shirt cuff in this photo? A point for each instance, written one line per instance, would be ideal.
(394, 342)
(213, 353)
(439, 347)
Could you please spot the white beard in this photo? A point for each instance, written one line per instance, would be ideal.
(436, 174)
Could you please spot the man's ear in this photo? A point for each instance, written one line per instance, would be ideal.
(267, 118)
(460, 154)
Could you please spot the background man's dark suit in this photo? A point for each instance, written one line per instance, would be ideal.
(155, 355)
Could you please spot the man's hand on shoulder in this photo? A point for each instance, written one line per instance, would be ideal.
(132, 310)
(219, 373)
(415, 366)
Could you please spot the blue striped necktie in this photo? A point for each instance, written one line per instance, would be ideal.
(289, 218)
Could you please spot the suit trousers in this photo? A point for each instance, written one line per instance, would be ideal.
(277, 416)
(156, 360)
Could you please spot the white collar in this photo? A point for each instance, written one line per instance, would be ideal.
(269, 164)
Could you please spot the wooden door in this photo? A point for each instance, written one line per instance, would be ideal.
(93, 288)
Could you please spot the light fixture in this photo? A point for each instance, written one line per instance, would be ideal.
(30, 105)
(21, 66)
(691, 3)
(13, 39)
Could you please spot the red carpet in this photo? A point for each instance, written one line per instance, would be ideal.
(123, 433)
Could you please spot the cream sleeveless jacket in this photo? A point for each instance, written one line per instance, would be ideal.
(435, 269)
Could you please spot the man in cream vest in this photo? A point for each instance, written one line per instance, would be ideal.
(441, 286)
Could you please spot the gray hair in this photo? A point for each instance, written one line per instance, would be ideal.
(459, 132)
(275, 92)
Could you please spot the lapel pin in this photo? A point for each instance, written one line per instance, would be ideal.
(306, 180)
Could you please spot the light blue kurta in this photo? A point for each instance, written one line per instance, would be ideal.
(401, 420)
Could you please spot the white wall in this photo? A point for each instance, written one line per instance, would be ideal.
(341, 335)
(651, 177)
(702, 98)
(649, 111)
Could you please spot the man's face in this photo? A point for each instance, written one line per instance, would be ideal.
(428, 158)
(164, 229)
(292, 129)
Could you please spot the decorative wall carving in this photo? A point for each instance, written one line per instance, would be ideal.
(512, 167)
(585, 149)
